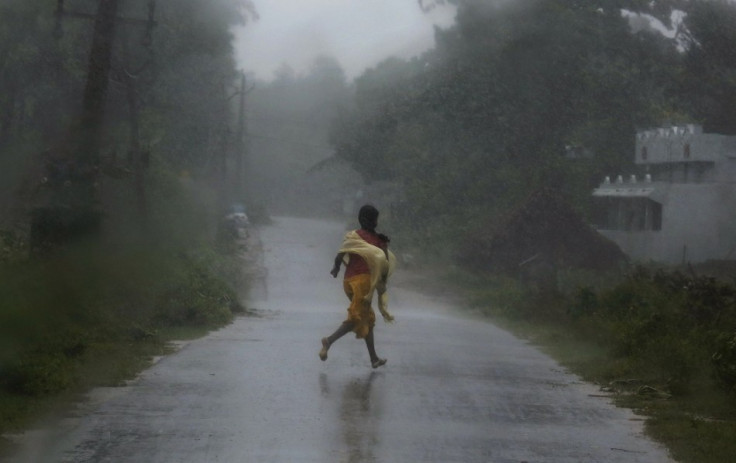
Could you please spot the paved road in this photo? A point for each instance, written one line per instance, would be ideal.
(455, 388)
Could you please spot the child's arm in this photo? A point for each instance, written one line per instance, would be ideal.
(336, 267)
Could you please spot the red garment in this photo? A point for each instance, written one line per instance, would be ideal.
(357, 265)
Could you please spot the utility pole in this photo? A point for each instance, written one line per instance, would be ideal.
(240, 149)
(230, 187)
(223, 193)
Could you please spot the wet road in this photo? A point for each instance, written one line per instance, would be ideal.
(455, 389)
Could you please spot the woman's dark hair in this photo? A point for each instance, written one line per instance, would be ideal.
(368, 219)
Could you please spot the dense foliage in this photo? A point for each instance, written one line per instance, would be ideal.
(288, 124)
(169, 96)
(666, 326)
(483, 122)
(656, 340)
(166, 147)
(472, 127)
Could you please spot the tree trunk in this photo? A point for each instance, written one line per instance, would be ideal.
(6, 122)
(240, 148)
(73, 212)
(95, 91)
(137, 158)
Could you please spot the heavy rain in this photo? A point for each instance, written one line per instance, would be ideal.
(377, 231)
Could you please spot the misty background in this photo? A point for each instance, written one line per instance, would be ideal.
(131, 130)
(486, 104)
(461, 108)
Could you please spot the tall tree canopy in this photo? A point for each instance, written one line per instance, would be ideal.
(709, 76)
(472, 126)
(180, 78)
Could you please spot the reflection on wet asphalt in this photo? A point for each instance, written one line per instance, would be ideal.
(455, 388)
(356, 416)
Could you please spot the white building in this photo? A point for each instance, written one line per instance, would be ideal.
(684, 207)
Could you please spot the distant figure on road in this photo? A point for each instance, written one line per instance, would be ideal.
(369, 263)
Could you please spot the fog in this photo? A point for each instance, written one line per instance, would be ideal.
(464, 108)
(565, 162)
(467, 111)
(357, 34)
(302, 58)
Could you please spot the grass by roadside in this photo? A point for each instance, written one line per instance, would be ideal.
(697, 427)
(90, 317)
(658, 342)
(105, 365)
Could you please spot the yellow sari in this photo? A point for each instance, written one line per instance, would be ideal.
(360, 288)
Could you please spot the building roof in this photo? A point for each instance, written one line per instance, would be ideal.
(624, 192)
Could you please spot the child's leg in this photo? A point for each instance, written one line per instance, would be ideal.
(375, 360)
(341, 331)
(371, 347)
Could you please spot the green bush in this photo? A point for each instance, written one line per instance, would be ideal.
(664, 324)
(504, 296)
(672, 359)
(660, 326)
(12, 247)
(38, 374)
(664, 341)
(54, 313)
(195, 297)
(724, 361)
(585, 303)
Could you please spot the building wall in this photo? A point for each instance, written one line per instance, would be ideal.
(692, 228)
(726, 170)
(682, 144)
(694, 179)
(726, 219)
(684, 172)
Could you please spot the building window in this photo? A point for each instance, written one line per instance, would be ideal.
(628, 214)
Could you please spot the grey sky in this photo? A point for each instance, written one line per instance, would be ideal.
(358, 33)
